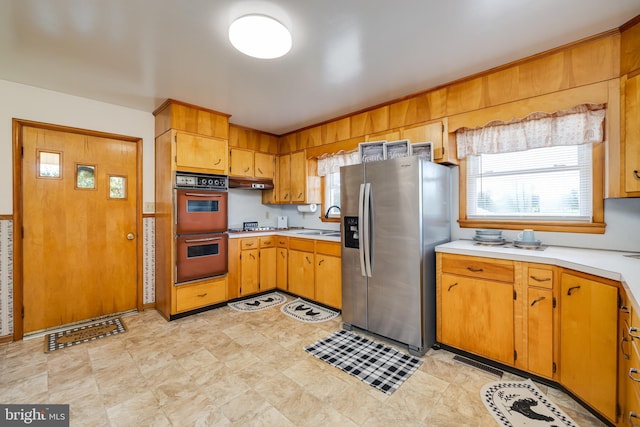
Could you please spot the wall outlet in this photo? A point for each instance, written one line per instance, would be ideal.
(149, 207)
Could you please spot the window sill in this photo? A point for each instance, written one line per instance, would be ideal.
(560, 227)
(330, 219)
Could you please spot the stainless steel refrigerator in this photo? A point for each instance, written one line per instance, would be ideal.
(394, 212)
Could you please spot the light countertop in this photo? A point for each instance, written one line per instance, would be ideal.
(300, 233)
(603, 263)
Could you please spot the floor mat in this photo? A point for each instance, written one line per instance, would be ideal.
(376, 364)
(258, 303)
(82, 334)
(305, 311)
(522, 404)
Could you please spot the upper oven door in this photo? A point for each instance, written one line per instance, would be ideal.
(201, 211)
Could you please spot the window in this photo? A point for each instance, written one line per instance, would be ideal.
(544, 184)
(332, 193)
(329, 169)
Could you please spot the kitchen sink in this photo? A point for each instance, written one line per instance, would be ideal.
(332, 234)
(329, 233)
(310, 233)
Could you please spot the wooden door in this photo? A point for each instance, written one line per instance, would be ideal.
(477, 316)
(80, 220)
(588, 341)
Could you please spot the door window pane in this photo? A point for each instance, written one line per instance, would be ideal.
(49, 164)
(86, 177)
(117, 187)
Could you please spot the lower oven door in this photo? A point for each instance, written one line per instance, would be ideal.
(201, 211)
(200, 256)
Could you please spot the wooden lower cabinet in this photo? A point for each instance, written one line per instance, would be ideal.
(200, 294)
(478, 317)
(282, 262)
(328, 274)
(301, 269)
(588, 341)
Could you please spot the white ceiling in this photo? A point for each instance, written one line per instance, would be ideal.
(347, 54)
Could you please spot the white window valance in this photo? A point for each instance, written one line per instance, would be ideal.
(331, 163)
(582, 124)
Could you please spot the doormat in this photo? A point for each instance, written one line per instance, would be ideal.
(82, 334)
(382, 367)
(307, 312)
(258, 303)
(522, 404)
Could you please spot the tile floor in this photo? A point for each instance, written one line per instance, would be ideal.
(228, 368)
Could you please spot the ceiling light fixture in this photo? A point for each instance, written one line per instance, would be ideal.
(260, 36)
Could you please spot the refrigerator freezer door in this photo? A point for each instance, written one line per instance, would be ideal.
(354, 280)
(395, 291)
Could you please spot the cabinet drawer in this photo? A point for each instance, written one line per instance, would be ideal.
(268, 242)
(305, 245)
(189, 297)
(249, 243)
(482, 268)
(282, 242)
(540, 277)
(327, 248)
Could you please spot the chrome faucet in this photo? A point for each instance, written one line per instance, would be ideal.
(329, 210)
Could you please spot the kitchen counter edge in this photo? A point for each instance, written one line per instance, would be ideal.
(285, 233)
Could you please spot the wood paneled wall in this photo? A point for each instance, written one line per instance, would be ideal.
(243, 137)
(580, 64)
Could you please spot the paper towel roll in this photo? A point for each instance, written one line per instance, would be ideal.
(307, 208)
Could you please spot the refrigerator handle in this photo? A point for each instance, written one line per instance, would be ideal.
(361, 230)
(367, 228)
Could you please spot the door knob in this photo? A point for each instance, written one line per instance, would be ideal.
(131, 236)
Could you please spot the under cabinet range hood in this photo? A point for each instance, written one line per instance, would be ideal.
(250, 183)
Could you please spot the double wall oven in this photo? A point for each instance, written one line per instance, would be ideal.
(201, 226)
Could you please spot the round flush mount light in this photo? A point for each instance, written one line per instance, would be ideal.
(260, 36)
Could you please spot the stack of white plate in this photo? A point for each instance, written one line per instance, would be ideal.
(489, 237)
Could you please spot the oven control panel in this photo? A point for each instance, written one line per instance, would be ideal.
(202, 181)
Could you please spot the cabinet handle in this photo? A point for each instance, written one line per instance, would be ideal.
(632, 372)
(635, 172)
(625, 309)
(286, 196)
(451, 286)
(320, 262)
(268, 242)
(299, 195)
(248, 244)
(247, 169)
(537, 279)
(202, 295)
(251, 255)
(627, 356)
(536, 301)
(571, 289)
(633, 329)
(631, 416)
(260, 170)
(218, 162)
(475, 270)
(282, 255)
(308, 260)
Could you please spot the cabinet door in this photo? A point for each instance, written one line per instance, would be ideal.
(249, 267)
(284, 179)
(199, 152)
(540, 331)
(298, 168)
(281, 268)
(267, 268)
(588, 341)
(477, 316)
(264, 165)
(301, 273)
(631, 113)
(430, 132)
(241, 162)
(329, 281)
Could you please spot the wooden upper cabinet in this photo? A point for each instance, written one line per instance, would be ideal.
(631, 136)
(195, 153)
(178, 115)
(298, 169)
(429, 132)
(284, 179)
(241, 162)
(264, 165)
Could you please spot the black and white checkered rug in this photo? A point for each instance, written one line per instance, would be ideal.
(522, 404)
(258, 303)
(376, 364)
(305, 311)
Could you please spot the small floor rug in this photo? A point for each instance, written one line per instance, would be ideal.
(378, 365)
(258, 303)
(82, 334)
(305, 311)
(521, 403)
